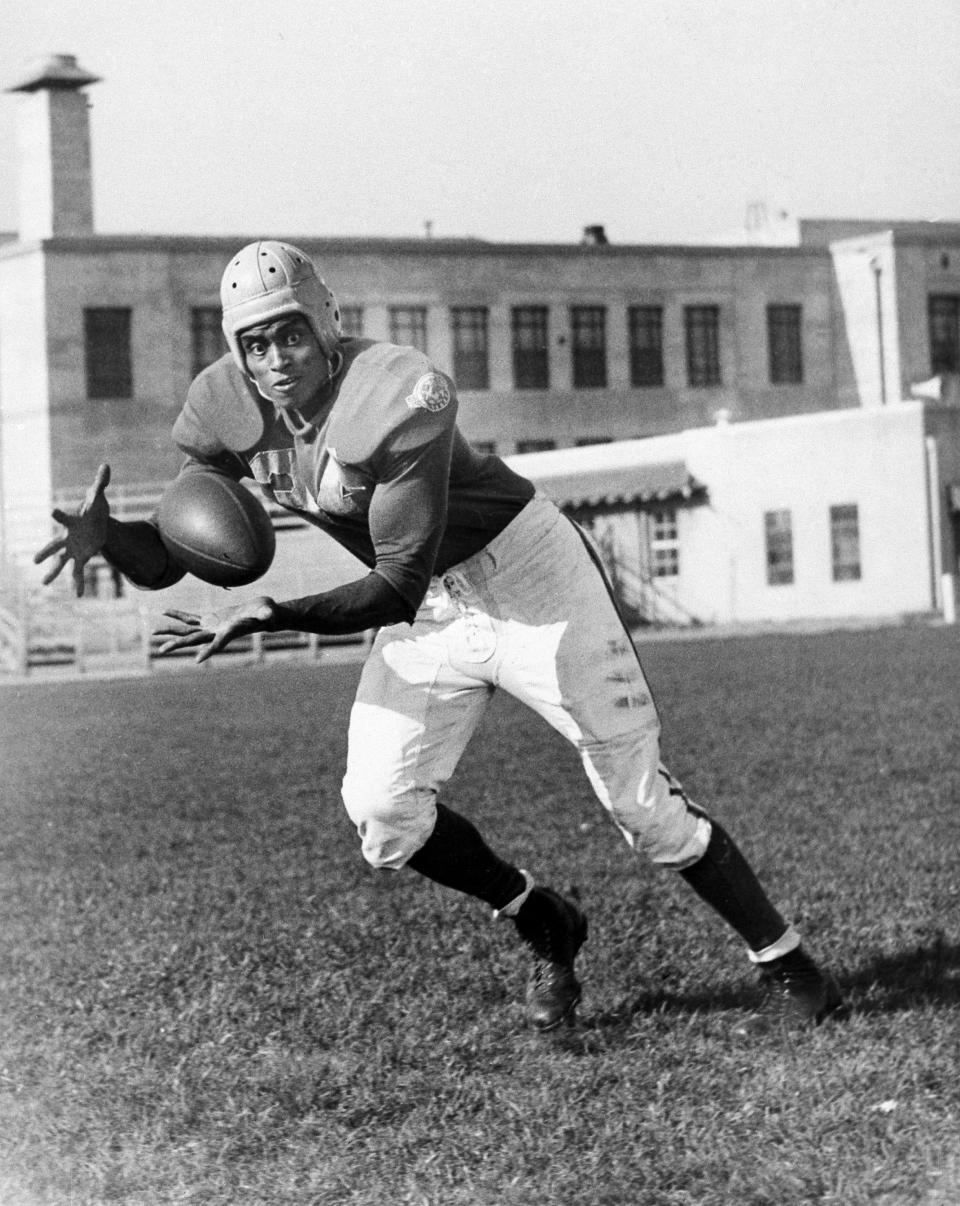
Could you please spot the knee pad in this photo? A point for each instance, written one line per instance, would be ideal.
(647, 804)
(391, 829)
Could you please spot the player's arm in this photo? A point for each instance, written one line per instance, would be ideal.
(368, 603)
(407, 516)
(136, 550)
(133, 548)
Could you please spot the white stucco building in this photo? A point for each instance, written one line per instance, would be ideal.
(851, 514)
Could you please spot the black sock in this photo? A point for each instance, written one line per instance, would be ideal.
(725, 880)
(456, 856)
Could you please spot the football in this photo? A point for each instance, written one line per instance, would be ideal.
(216, 529)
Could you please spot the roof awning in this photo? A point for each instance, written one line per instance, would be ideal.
(599, 486)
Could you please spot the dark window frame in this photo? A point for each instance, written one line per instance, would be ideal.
(588, 347)
(470, 337)
(645, 337)
(408, 326)
(943, 321)
(207, 340)
(845, 552)
(702, 329)
(529, 339)
(785, 343)
(778, 542)
(664, 541)
(107, 342)
(351, 321)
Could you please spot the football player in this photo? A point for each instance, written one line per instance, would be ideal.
(474, 582)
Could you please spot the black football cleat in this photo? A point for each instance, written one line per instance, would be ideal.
(799, 994)
(555, 928)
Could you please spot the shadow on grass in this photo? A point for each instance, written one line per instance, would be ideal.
(662, 1001)
(927, 975)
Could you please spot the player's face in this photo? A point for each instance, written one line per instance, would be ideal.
(285, 361)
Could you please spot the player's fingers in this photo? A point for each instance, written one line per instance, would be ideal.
(185, 641)
(209, 650)
(219, 639)
(185, 617)
(51, 547)
(78, 582)
(100, 483)
(174, 630)
(60, 516)
(178, 622)
(167, 647)
(58, 565)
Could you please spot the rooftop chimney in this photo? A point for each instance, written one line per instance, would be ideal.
(594, 236)
(53, 142)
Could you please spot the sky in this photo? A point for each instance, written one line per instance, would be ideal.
(509, 120)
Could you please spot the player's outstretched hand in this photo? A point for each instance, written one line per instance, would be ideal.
(85, 536)
(213, 630)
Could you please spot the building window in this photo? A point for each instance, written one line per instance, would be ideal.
(645, 329)
(588, 325)
(944, 309)
(703, 345)
(351, 320)
(778, 528)
(471, 368)
(536, 445)
(207, 342)
(408, 326)
(106, 334)
(484, 447)
(845, 542)
(664, 543)
(784, 344)
(531, 368)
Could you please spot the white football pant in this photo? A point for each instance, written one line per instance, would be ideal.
(532, 614)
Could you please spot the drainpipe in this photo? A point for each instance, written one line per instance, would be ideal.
(877, 273)
(942, 584)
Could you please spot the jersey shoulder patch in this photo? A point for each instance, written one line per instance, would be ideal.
(430, 393)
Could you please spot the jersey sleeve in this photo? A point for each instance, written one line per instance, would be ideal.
(411, 468)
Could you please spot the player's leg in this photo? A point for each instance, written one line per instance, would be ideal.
(411, 720)
(555, 928)
(581, 672)
(413, 716)
(725, 880)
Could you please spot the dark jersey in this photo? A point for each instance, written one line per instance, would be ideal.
(382, 467)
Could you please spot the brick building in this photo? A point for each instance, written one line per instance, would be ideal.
(553, 346)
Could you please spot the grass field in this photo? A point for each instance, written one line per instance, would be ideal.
(208, 998)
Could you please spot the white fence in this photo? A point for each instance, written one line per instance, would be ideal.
(110, 628)
(41, 630)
